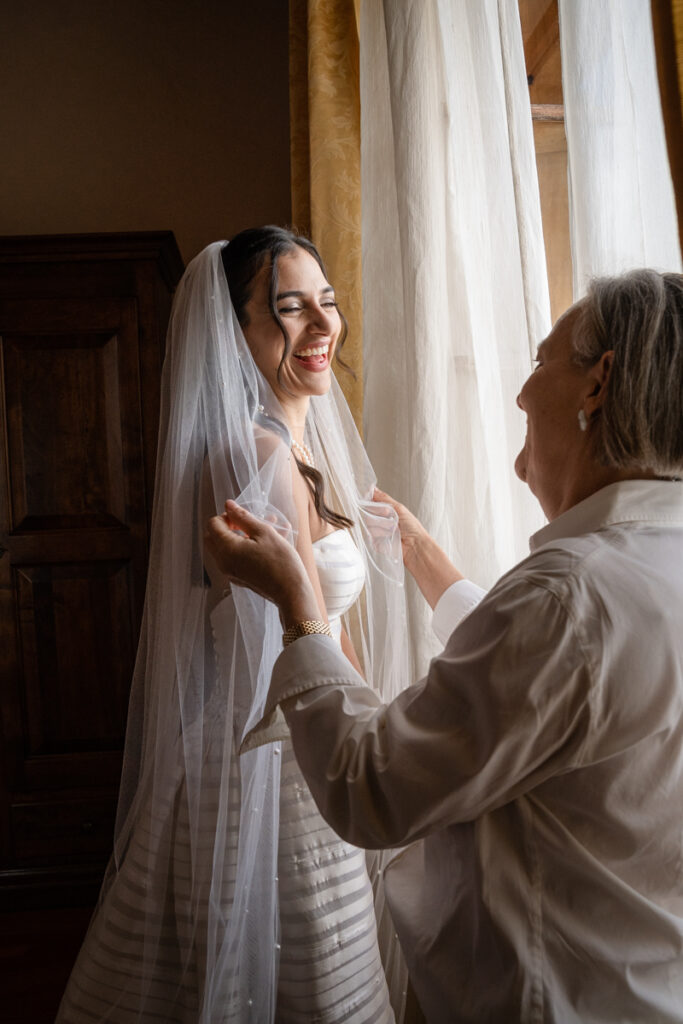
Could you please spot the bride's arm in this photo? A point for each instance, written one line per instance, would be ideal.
(304, 542)
(350, 651)
(304, 546)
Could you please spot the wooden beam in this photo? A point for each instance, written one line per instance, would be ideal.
(547, 111)
(544, 37)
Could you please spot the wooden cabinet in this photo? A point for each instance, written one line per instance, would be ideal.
(82, 327)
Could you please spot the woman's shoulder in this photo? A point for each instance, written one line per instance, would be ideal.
(558, 556)
(572, 572)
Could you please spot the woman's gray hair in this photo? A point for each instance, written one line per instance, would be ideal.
(638, 316)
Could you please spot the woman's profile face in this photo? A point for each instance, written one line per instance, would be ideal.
(551, 398)
(306, 304)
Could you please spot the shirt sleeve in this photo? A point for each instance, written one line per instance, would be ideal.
(455, 603)
(505, 706)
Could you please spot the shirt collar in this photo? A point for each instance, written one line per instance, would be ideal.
(647, 501)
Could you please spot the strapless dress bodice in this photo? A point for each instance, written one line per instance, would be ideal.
(341, 572)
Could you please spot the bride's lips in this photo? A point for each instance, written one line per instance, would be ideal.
(313, 359)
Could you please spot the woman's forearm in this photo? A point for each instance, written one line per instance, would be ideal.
(430, 566)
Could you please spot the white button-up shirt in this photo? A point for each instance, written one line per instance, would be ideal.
(537, 772)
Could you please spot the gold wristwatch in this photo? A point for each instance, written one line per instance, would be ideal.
(305, 628)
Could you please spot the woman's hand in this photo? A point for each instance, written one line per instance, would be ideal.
(251, 553)
(423, 558)
(411, 529)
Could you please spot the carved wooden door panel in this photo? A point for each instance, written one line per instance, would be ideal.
(79, 363)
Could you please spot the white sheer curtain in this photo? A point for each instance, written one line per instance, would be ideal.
(455, 284)
(622, 208)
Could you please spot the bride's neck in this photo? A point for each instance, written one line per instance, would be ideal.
(295, 414)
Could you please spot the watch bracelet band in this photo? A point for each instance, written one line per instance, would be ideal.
(306, 628)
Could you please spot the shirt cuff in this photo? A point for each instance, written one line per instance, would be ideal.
(311, 661)
(455, 603)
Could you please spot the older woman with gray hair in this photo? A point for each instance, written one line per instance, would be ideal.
(537, 771)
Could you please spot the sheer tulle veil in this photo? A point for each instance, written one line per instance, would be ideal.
(197, 824)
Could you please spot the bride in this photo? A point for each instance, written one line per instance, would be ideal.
(228, 898)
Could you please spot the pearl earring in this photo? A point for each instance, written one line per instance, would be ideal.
(583, 422)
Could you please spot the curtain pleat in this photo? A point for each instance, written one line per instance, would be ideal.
(325, 158)
(299, 150)
(621, 202)
(667, 23)
(455, 281)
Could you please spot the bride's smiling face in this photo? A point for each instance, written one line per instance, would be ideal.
(306, 306)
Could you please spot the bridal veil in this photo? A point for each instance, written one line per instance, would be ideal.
(187, 923)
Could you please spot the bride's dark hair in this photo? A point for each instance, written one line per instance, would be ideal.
(242, 259)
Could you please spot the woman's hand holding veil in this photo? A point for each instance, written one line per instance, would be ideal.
(251, 553)
(423, 558)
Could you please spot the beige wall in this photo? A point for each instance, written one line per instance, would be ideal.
(123, 115)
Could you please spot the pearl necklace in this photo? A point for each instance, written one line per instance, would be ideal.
(304, 452)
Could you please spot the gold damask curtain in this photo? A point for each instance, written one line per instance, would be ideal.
(667, 22)
(325, 157)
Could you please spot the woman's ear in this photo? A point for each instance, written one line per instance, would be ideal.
(598, 376)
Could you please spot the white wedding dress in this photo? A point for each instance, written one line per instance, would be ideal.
(330, 969)
(329, 964)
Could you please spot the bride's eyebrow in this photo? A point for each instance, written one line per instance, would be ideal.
(300, 295)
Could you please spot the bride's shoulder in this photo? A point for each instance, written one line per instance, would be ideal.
(269, 442)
